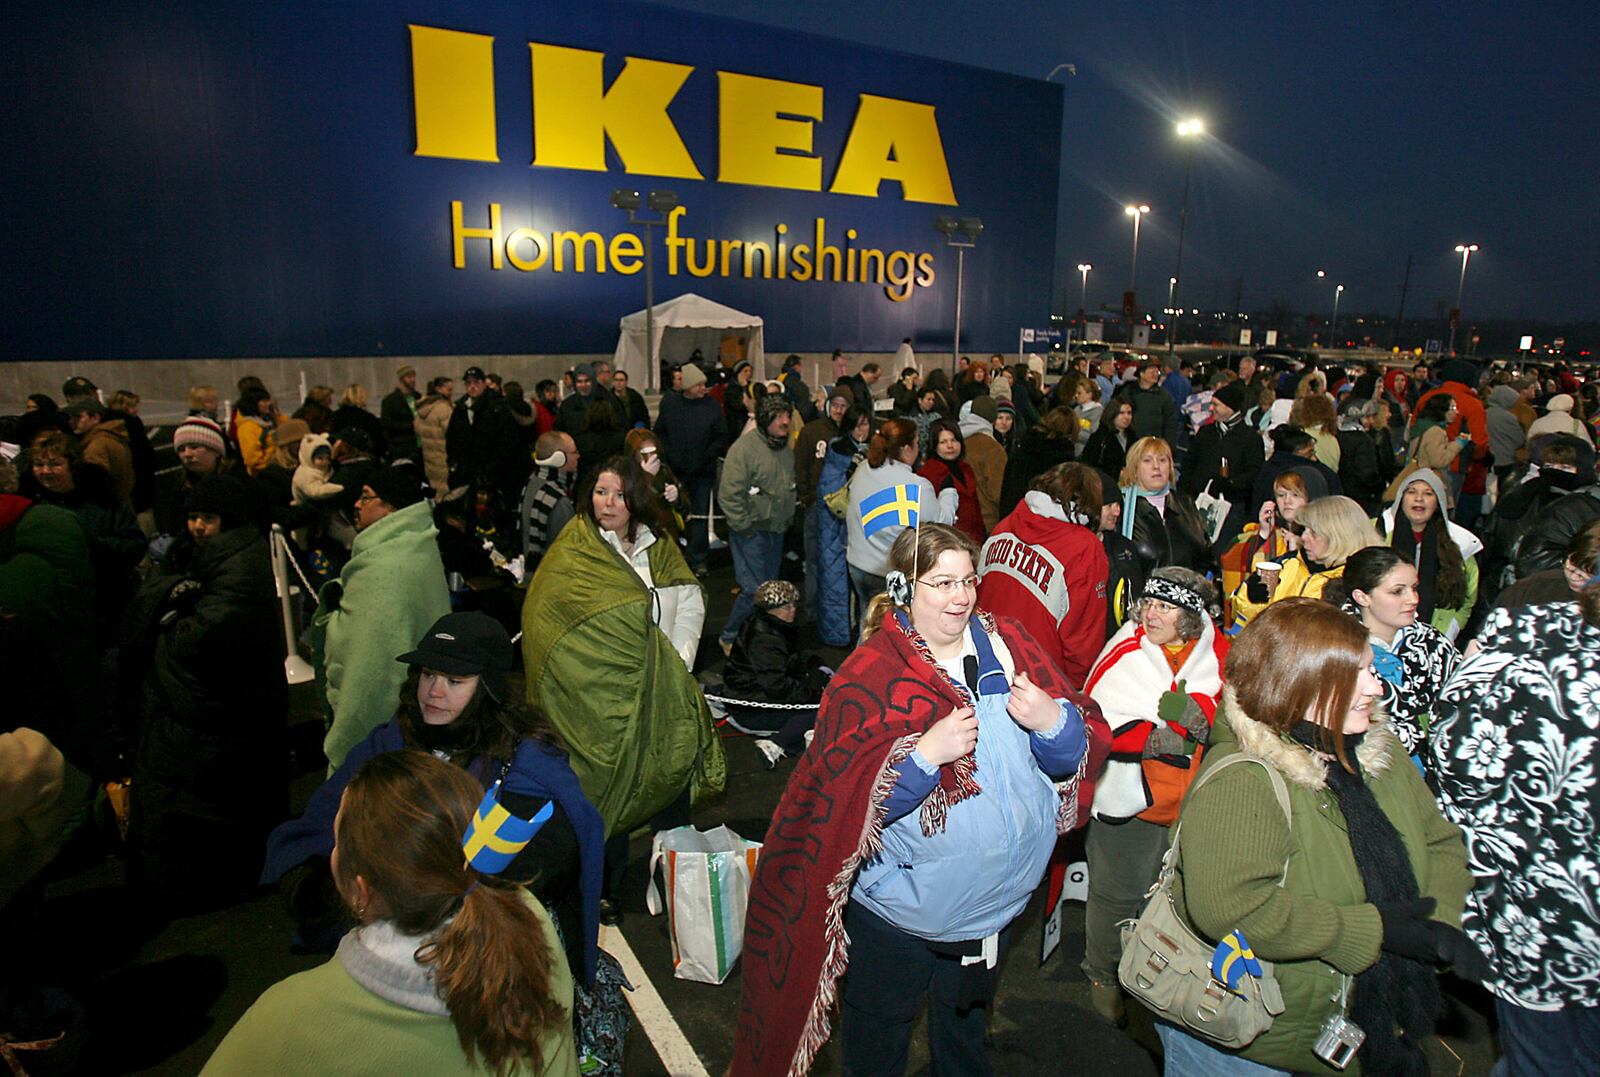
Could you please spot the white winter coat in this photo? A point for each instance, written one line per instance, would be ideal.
(680, 611)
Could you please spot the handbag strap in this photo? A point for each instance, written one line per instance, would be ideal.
(1280, 790)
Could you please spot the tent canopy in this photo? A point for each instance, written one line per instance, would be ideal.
(683, 324)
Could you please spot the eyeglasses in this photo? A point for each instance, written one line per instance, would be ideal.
(364, 498)
(948, 585)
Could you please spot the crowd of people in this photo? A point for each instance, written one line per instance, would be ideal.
(1060, 604)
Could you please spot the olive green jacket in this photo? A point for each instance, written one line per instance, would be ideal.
(1317, 928)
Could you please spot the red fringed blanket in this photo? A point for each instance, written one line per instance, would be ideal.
(878, 705)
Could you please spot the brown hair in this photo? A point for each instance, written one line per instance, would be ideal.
(644, 506)
(892, 437)
(1584, 552)
(55, 443)
(1315, 410)
(400, 830)
(1292, 481)
(1298, 660)
(1075, 487)
(916, 549)
(1059, 422)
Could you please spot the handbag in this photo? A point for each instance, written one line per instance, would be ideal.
(707, 876)
(838, 502)
(1168, 968)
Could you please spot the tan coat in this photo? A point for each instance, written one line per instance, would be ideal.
(433, 419)
(106, 446)
(988, 460)
(37, 788)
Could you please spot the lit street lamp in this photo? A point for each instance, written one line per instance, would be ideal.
(1465, 250)
(662, 202)
(1190, 129)
(961, 234)
(1083, 299)
(1136, 212)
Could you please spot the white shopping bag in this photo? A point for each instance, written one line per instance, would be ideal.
(707, 877)
(1214, 509)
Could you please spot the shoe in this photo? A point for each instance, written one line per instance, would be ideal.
(610, 912)
(1107, 1002)
(701, 571)
(770, 752)
(727, 648)
(811, 734)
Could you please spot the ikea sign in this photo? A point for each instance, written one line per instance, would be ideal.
(433, 178)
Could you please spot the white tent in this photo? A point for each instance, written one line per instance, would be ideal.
(683, 324)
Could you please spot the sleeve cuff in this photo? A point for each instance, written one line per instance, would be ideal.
(1360, 939)
(922, 764)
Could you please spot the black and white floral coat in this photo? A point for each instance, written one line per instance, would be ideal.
(1514, 744)
(1428, 658)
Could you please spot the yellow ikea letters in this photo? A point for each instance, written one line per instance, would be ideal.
(765, 126)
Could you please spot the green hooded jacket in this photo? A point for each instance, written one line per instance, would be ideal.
(386, 598)
(1318, 926)
(633, 718)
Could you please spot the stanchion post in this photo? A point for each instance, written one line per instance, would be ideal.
(296, 670)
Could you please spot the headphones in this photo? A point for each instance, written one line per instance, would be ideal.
(557, 460)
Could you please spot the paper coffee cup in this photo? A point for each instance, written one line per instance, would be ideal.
(1268, 566)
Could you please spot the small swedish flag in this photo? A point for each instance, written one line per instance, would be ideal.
(890, 507)
(1232, 959)
(494, 837)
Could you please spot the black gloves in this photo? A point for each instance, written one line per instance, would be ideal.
(179, 601)
(1408, 932)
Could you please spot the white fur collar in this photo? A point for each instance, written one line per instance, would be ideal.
(381, 959)
(1300, 764)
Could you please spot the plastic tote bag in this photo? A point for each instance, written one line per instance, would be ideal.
(707, 877)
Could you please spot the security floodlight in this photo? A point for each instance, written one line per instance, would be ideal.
(947, 225)
(663, 201)
(971, 227)
(622, 198)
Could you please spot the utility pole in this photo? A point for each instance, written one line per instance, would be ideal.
(1400, 316)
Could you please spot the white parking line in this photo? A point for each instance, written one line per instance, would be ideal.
(654, 1017)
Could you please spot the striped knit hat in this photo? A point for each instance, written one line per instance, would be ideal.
(198, 430)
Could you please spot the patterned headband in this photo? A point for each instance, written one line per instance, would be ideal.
(1174, 593)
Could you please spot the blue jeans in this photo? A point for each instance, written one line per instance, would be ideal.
(699, 488)
(864, 585)
(813, 542)
(1191, 1056)
(1539, 1042)
(757, 558)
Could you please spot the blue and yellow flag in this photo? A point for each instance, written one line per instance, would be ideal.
(494, 837)
(1232, 959)
(890, 507)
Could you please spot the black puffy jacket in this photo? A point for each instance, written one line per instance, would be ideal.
(1545, 544)
(1359, 470)
(209, 773)
(767, 666)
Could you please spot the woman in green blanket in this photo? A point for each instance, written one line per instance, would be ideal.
(610, 627)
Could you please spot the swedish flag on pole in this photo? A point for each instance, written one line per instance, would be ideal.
(1232, 959)
(893, 506)
(494, 837)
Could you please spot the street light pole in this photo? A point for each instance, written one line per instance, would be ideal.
(1465, 250)
(962, 235)
(1083, 301)
(1190, 129)
(1136, 212)
(662, 202)
(1334, 323)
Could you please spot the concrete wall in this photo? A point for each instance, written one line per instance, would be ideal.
(164, 383)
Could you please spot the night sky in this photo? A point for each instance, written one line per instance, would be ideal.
(1341, 136)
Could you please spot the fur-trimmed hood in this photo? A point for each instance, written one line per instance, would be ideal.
(1297, 763)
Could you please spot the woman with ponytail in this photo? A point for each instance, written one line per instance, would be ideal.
(448, 971)
(891, 454)
(949, 754)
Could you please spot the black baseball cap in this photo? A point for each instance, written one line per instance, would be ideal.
(474, 373)
(466, 645)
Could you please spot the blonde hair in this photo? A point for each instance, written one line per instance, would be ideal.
(355, 393)
(201, 395)
(1343, 523)
(916, 548)
(1137, 451)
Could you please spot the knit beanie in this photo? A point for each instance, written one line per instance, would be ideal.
(224, 496)
(399, 487)
(1231, 394)
(768, 408)
(198, 430)
(692, 376)
(985, 407)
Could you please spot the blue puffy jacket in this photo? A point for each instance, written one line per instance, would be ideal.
(833, 580)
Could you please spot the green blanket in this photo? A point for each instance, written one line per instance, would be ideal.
(633, 718)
